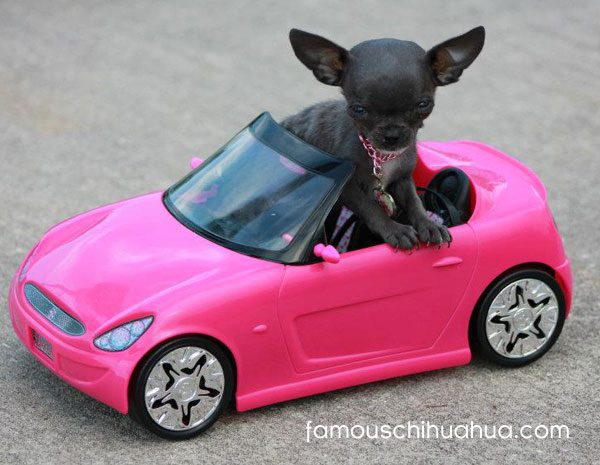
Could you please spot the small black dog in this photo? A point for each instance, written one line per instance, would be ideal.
(389, 88)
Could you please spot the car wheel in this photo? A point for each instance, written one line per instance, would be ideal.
(520, 318)
(182, 388)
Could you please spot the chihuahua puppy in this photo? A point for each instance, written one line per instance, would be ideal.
(388, 87)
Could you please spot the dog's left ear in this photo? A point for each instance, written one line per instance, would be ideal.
(450, 58)
(324, 58)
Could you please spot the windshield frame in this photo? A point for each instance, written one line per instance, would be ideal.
(270, 133)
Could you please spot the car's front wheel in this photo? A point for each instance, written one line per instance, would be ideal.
(182, 388)
(519, 318)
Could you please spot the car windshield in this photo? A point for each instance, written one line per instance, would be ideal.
(250, 194)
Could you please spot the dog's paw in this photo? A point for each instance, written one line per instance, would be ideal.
(433, 233)
(400, 236)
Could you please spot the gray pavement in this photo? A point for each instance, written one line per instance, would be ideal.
(103, 101)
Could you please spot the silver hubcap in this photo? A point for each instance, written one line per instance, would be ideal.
(522, 318)
(184, 388)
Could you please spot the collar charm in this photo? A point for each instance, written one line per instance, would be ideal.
(383, 198)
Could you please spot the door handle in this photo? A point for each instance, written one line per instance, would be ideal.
(447, 261)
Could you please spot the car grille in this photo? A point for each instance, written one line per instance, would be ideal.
(51, 312)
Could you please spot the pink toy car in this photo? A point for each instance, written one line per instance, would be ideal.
(169, 305)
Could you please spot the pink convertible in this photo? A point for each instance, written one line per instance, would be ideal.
(169, 305)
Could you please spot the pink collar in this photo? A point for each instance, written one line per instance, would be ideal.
(378, 158)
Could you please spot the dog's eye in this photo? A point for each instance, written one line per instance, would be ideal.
(424, 104)
(358, 109)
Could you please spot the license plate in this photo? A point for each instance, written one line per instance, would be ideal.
(42, 344)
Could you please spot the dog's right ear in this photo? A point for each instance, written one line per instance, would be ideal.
(324, 58)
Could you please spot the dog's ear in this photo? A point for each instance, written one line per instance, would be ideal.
(450, 58)
(324, 58)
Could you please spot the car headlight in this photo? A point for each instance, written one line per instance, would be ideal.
(123, 336)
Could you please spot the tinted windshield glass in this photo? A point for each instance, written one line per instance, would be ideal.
(249, 194)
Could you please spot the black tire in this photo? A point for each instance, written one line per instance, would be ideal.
(138, 408)
(479, 337)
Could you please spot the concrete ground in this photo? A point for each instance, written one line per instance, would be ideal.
(105, 101)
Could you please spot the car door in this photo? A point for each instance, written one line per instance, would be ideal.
(374, 302)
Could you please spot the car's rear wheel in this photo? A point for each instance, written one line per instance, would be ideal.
(182, 388)
(519, 318)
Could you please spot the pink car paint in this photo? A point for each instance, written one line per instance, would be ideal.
(195, 162)
(293, 330)
(328, 253)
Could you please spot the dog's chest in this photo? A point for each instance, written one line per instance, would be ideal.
(391, 170)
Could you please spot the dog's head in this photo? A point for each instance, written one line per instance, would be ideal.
(389, 84)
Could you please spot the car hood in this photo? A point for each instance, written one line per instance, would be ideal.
(100, 264)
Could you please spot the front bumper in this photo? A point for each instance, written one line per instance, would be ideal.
(103, 376)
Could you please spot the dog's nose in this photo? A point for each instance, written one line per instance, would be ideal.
(391, 139)
(396, 134)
